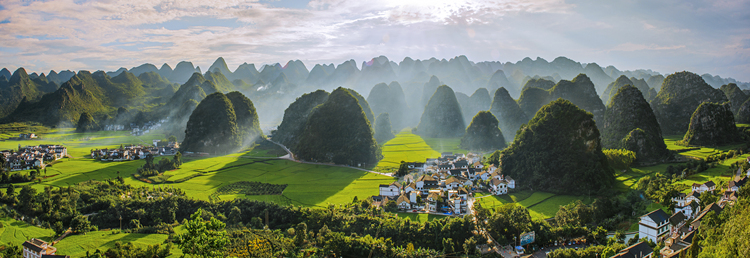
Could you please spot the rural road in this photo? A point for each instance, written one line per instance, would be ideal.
(290, 156)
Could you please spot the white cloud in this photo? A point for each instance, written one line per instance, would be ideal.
(67, 34)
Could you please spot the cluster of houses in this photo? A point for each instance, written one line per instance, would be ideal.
(147, 127)
(444, 184)
(133, 152)
(37, 248)
(31, 157)
(26, 136)
(677, 231)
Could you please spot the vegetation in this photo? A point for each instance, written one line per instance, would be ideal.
(560, 151)
(630, 123)
(620, 159)
(383, 130)
(405, 147)
(338, 131)
(735, 96)
(712, 124)
(295, 117)
(86, 123)
(251, 188)
(580, 91)
(247, 118)
(213, 125)
(483, 134)
(508, 113)
(680, 95)
(442, 117)
(389, 99)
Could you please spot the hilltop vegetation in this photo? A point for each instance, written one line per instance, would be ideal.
(296, 115)
(19, 87)
(712, 124)
(509, 115)
(389, 99)
(338, 131)
(442, 116)
(559, 151)
(630, 123)
(383, 129)
(580, 91)
(679, 97)
(213, 126)
(483, 134)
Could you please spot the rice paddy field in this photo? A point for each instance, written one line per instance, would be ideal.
(77, 245)
(541, 205)
(406, 147)
(307, 184)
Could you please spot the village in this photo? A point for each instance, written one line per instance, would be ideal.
(135, 152)
(32, 157)
(444, 185)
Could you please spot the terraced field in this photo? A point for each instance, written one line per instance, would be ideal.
(541, 205)
(405, 147)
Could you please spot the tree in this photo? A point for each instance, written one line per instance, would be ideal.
(203, 238)
(403, 169)
(172, 138)
(300, 234)
(80, 224)
(235, 215)
(58, 228)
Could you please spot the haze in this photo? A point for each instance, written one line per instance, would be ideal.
(666, 36)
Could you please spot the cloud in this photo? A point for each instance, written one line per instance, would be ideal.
(669, 35)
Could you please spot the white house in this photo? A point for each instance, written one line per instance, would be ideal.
(511, 182)
(654, 225)
(411, 187)
(499, 186)
(413, 196)
(484, 175)
(707, 186)
(734, 186)
(394, 189)
(496, 175)
(452, 183)
(403, 202)
(432, 201)
(36, 248)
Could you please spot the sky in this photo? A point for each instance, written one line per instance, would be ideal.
(666, 36)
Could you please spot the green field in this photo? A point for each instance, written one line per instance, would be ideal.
(541, 205)
(309, 185)
(77, 245)
(445, 145)
(16, 232)
(407, 147)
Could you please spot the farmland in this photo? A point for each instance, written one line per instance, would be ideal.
(405, 147)
(541, 205)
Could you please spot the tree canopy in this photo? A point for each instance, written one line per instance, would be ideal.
(338, 131)
(559, 151)
(442, 116)
(483, 133)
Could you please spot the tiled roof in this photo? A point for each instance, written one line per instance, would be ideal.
(658, 216)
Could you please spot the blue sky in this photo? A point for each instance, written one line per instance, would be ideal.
(666, 36)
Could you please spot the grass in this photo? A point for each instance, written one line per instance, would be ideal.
(77, 245)
(445, 145)
(309, 185)
(407, 147)
(16, 232)
(541, 205)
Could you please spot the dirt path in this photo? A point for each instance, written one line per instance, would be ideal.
(290, 156)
